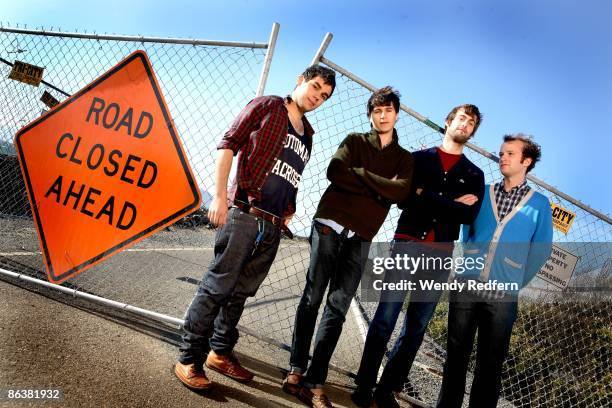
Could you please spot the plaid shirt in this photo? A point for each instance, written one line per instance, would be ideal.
(506, 201)
(258, 135)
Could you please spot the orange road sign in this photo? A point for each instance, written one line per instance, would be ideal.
(104, 169)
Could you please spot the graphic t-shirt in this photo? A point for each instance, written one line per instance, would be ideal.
(280, 187)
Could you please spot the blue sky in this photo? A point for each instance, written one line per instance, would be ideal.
(540, 67)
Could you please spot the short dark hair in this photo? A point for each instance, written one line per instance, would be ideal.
(531, 150)
(384, 97)
(469, 109)
(327, 75)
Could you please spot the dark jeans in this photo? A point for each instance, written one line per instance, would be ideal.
(236, 272)
(418, 314)
(494, 320)
(335, 260)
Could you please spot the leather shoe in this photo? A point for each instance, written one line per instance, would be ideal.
(192, 376)
(314, 400)
(292, 388)
(228, 365)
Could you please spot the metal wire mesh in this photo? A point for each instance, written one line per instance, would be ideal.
(560, 349)
(204, 85)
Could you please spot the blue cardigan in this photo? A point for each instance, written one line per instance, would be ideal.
(514, 249)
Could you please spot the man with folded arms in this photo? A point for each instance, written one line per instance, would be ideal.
(447, 191)
(368, 172)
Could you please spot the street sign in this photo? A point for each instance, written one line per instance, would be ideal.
(559, 267)
(104, 169)
(26, 73)
(49, 100)
(562, 218)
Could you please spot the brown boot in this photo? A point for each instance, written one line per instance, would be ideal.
(192, 377)
(292, 388)
(314, 400)
(228, 365)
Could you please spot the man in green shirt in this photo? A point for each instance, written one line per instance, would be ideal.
(368, 173)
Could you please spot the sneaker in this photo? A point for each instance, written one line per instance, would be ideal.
(362, 397)
(192, 376)
(385, 399)
(228, 365)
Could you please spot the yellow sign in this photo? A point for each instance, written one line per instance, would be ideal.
(26, 73)
(562, 218)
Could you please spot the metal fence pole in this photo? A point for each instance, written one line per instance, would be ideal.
(322, 48)
(554, 379)
(475, 148)
(134, 38)
(268, 60)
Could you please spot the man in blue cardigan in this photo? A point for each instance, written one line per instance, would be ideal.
(511, 237)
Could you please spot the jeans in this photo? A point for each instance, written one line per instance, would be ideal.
(335, 260)
(237, 270)
(494, 320)
(418, 314)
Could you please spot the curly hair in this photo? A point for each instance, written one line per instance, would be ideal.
(531, 150)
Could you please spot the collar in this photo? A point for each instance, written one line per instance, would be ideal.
(515, 189)
(374, 139)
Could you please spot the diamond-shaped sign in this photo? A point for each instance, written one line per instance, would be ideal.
(104, 169)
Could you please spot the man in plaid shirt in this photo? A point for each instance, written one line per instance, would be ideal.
(272, 139)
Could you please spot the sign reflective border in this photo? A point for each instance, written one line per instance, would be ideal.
(104, 169)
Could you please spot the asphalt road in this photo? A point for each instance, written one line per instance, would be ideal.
(95, 361)
(161, 273)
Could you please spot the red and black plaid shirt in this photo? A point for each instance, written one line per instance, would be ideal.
(258, 135)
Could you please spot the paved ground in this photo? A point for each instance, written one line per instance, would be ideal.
(97, 361)
(161, 273)
(102, 362)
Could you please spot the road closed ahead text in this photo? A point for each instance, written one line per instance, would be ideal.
(126, 167)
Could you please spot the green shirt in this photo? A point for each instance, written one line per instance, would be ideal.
(362, 190)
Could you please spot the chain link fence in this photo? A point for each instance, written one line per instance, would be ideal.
(205, 85)
(560, 349)
(561, 344)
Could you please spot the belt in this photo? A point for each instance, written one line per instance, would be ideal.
(273, 219)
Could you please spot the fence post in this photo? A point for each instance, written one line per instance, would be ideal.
(268, 60)
(326, 40)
